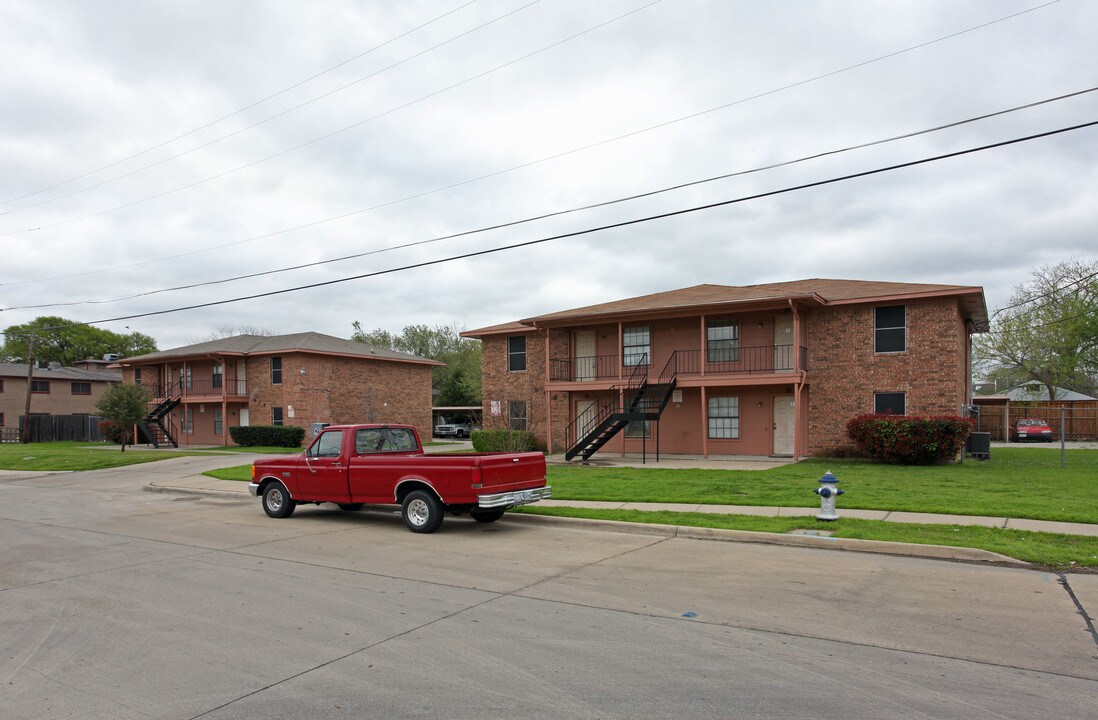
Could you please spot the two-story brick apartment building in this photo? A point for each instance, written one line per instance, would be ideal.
(299, 379)
(774, 369)
(55, 390)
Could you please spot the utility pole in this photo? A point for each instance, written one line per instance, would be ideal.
(30, 378)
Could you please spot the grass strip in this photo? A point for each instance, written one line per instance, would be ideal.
(1046, 549)
(73, 456)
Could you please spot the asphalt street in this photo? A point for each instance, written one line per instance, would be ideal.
(121, 603)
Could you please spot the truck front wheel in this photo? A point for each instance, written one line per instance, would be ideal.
(422, 511)
(277, 501)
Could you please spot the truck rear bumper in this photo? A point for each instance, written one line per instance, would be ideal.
(516, 497)
(253, 488)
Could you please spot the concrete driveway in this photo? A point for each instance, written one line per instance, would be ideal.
(118, 603)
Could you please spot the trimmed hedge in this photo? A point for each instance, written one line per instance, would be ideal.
(267, 435)
(909, 440)
(502, 440)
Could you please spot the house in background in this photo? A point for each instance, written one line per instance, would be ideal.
(775, 369)
(1075, 412)
(55, 390)
(301, 379)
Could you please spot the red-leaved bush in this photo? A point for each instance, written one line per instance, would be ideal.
(908, 440)
(114, 433)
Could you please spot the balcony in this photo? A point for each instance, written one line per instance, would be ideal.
(756, 360)
(200, 388)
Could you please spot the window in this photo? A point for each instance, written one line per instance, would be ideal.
(722, 341)
(890, 403)
(217, 421)
(82, 388)
(724, 418)
(1, 384)
(40, 386)
(636, 346)
(217, 375)
(329, 445)
(379, 440)
(516, 414)
(188, 420)
(276, 416)
(137, 376)
(639, 429)
(516, 353)
(1, 419)
(276, 371)
(890, 329)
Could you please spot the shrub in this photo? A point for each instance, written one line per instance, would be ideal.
(907, 440)
(502, 440)
(116, 433)
(267, 435)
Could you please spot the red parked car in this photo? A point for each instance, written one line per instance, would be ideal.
(1031, 430)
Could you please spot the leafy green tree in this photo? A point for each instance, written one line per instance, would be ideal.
(66, 341)
(456, 383)
(125, 406)
(1048, 333)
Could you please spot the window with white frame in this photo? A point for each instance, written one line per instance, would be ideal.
(890, 329)
(276, 416)
(217, 375)
(636, 346)
(724, 418)
(722, 341)
(217, 421)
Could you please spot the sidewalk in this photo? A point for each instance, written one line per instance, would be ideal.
(202, 484)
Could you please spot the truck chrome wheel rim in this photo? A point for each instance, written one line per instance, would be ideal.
(274, 500)
(418, 512)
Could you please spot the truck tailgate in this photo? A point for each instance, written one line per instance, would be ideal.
(513, 471)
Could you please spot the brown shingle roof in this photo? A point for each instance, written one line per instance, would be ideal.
(819, 291)
(272, 344)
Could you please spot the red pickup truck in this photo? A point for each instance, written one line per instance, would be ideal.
(351, 465)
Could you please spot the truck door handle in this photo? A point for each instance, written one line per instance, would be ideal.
(514, 459)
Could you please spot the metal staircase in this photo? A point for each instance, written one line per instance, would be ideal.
(636, 401)
(157, 425)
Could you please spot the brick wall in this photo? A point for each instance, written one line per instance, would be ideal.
(845, 372)
(60, 400)
(339, 390)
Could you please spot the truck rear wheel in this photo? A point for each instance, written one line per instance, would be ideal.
(277, 501)
(487, 516)
(422, 511)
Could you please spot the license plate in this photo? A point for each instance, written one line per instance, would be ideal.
(524, 496)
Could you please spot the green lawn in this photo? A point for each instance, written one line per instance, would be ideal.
(77, 456)
(1016, 482)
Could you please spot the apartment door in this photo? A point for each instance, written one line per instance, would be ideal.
(244, 417)
(586, 412)
(783, 342)
(585, 355)
(785, 423)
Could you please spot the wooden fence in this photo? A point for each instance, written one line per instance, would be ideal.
(1080, 419)
(52, 428)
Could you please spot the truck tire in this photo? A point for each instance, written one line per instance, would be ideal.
(277, 501)
(350, 507)
(486, 516)
(422, 511)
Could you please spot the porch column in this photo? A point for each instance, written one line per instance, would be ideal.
(704, 423)
(704, 344)
(621, 359)
(224, 412)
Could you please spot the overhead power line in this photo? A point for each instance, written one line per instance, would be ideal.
(514, 223)
(243, 109)
(601, 228)
(277, 115)
(340, 131)
(542, 160)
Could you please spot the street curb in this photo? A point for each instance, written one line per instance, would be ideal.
(210, 492)
(933, 552)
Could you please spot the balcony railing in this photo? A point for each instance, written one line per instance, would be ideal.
(202, 388)
(725, 361)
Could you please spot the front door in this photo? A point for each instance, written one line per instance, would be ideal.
(785, 421)
(586, 411)
(783, 342)
(585, 355)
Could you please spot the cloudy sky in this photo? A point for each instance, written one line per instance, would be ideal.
(149, 145)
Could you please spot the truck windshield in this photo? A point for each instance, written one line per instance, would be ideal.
(382, 440)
